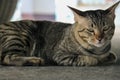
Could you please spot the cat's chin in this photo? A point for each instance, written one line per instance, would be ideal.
(98, 45)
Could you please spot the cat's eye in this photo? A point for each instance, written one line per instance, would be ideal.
(103, 23)
(81, 30)
(92, 25)
(106, 28)
(90, 30)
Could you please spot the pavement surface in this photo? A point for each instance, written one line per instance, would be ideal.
(105, 72)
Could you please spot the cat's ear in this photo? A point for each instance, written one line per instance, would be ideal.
(111, 10)
(79, 16)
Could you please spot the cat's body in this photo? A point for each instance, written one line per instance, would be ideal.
(40, 39)
(86, 42)
(37, 38)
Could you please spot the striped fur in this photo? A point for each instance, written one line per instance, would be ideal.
(87, 42)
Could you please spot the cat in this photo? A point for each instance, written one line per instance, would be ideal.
(87, 42)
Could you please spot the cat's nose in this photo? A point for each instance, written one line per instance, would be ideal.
(99, 39)
(99, 36)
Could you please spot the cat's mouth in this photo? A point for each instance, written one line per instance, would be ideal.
(97, 43)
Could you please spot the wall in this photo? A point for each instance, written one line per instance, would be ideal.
(44, 6)
(38, 6)
(38, 9)
(27, 6)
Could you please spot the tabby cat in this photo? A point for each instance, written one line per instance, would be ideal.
(87, 42)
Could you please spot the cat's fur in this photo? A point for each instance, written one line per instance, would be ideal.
(86, 42)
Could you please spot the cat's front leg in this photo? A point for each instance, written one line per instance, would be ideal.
(16, 60)
(75, 60)
(111, 58)
(84, 60)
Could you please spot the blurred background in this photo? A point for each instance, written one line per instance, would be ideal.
(53, 10)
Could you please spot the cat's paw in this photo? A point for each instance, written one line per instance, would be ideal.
(87, 61)
(111, 58)
(34, 61)
(76, 60)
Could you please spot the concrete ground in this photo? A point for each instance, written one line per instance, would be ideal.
(107, 72)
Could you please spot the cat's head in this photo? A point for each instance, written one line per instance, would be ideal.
(95, 26)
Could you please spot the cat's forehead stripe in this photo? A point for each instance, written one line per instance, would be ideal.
(97, 17)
